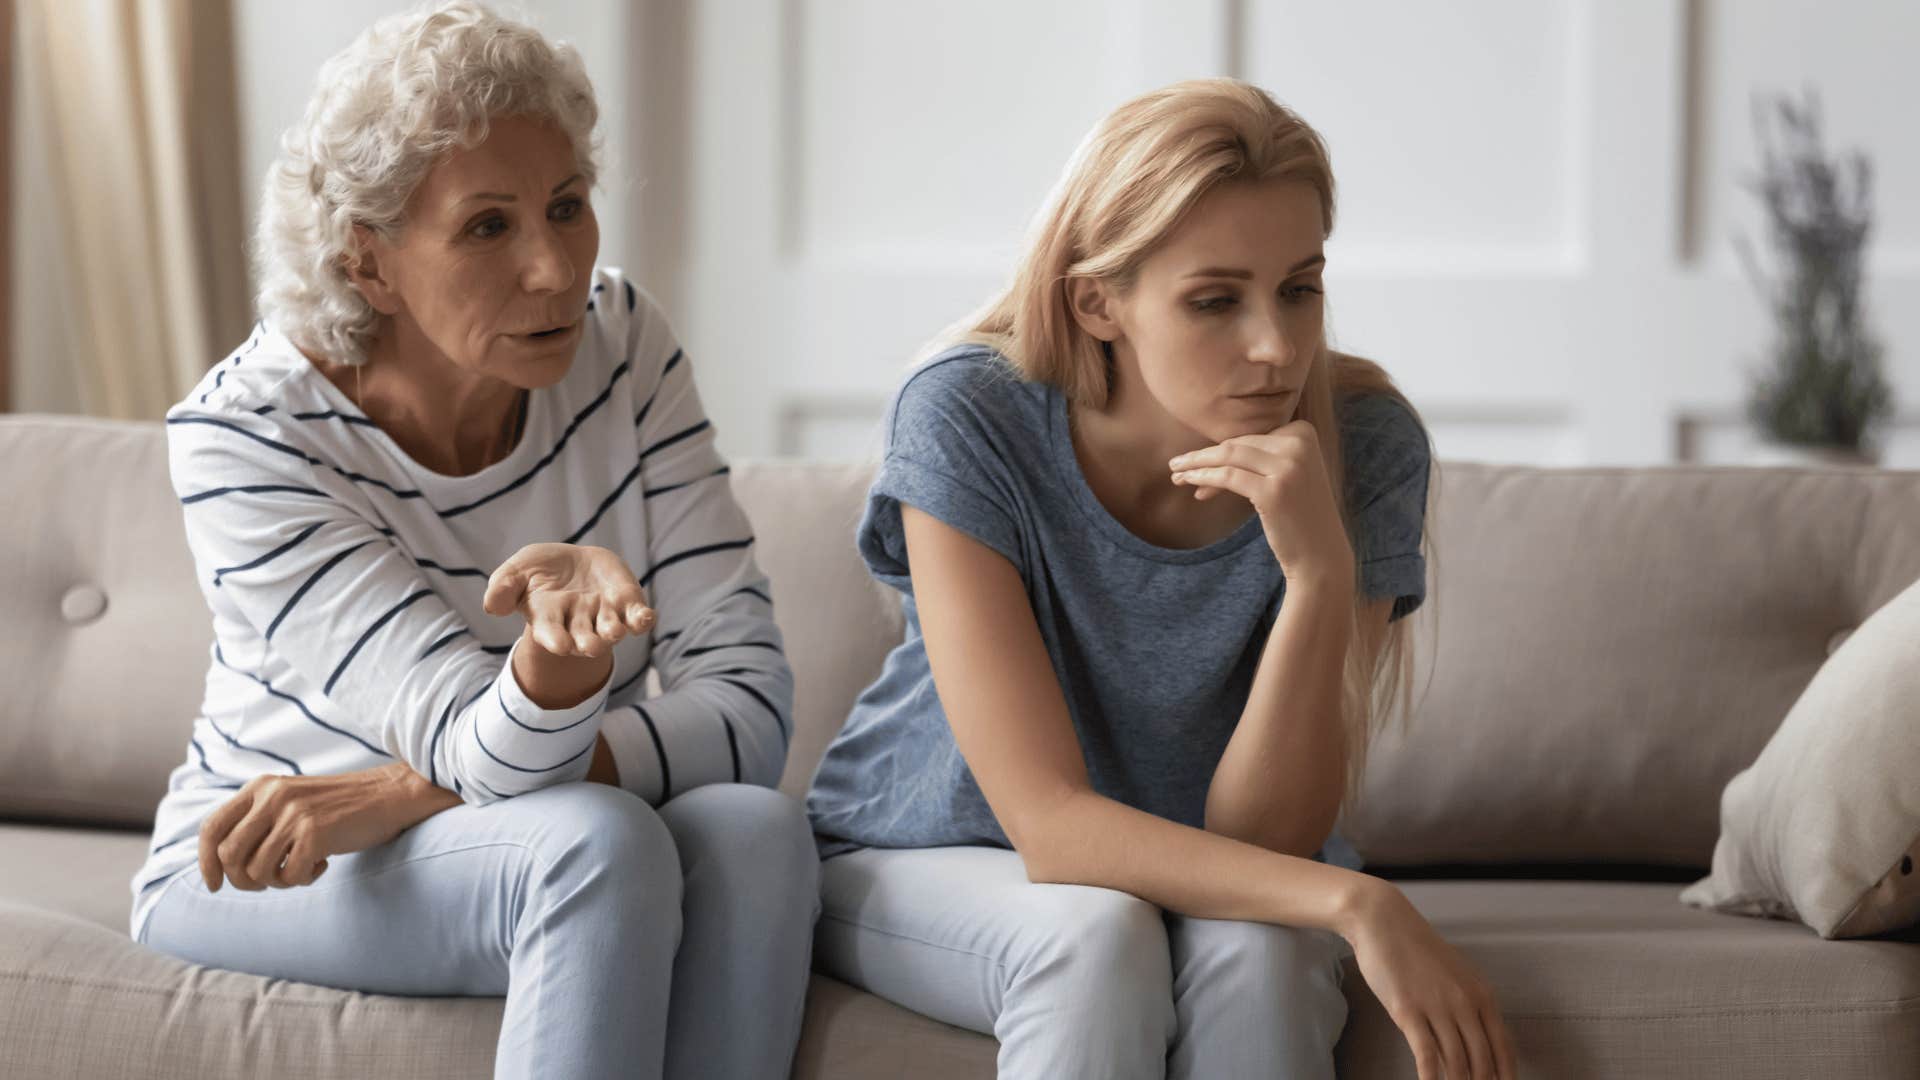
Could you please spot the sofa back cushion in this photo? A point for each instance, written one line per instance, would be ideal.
(1608, 647)
(1600, 651)
(104, 650)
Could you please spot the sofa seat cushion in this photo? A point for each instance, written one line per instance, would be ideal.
(1617, 979)
(1596, 978)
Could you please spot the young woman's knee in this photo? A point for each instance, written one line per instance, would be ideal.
(1108, 938)
(1263, 959)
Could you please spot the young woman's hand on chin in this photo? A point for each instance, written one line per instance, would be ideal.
(1284, 476)
(1443, 1006)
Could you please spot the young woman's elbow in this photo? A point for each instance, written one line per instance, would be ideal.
(1044, 839)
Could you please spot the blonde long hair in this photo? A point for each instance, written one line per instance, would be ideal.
(1128, 186)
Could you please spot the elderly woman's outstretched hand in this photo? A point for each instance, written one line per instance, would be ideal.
(577, 600)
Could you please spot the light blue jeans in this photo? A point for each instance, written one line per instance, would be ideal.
(628, 942)
(1077, 981)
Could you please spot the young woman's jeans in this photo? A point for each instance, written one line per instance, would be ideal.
(629, 942)
(1077, 981)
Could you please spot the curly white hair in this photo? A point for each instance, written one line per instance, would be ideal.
(408, 90)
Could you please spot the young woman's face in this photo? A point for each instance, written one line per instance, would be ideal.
(496, 256)
(1224, 317)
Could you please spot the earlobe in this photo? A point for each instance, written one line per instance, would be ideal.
(364, 273)
(1090, 302)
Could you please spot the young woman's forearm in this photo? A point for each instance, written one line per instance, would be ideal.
(1281, 777)
(1088, 839)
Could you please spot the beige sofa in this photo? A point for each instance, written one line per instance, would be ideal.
(1611, 645)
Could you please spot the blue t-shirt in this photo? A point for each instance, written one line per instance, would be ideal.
(1155, 648)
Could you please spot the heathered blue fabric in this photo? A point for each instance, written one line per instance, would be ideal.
(1155, 648)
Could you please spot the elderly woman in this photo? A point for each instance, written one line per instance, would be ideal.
(450, 503)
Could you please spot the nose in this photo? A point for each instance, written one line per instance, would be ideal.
(544, 266)
(1271, 344)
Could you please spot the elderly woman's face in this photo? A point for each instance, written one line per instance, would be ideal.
(496, 256)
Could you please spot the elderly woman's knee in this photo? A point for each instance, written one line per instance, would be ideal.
(594, 830)
(748, 830)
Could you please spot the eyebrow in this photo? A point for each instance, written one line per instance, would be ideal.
(1244, 274)
(503, 197)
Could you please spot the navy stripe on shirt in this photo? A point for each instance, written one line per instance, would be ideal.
(779, 721)
(519, 768)
(605, 505)
(238, 745)
(733, 747)
(691, 553)
(559, 445)
(269, 556)
(703, 650)
(677, 436)
(370, 631)
(308, 584)
(436, 646)
(648, 493)
(249, 489)
(220, 656)
(500, 697)
(659, 748)
(334, 414)
(648, 404)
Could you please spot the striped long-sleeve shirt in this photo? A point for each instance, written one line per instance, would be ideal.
(345, 584)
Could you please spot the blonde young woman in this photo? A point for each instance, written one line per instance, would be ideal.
(1156, 541)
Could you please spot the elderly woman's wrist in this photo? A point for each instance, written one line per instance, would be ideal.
(553, 681)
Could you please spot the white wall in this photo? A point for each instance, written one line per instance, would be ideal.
(282, 46)
(1537, 195)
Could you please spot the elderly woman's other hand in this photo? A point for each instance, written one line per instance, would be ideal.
(278, 830)
(578, 600)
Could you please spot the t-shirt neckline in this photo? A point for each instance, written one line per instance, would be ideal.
(1096, 512)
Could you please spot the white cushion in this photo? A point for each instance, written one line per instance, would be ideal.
(1824, 826)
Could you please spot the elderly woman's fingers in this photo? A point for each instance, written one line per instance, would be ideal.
(631, 602)
(237, 850)
(548, 621)
(214, 830)
(303, 862)
(586, 640)
(264, 865)
(504, 590)
(607, 622)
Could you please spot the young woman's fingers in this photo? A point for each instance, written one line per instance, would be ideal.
(1503, 1051)
(214, 830)
(1246, 453)
(1241, 482)
(1453, 1054)
(1419, 1036)
(1479, 1049)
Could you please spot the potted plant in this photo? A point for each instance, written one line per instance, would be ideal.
(1822, 392)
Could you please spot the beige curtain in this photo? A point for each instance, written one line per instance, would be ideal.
(141, 141)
